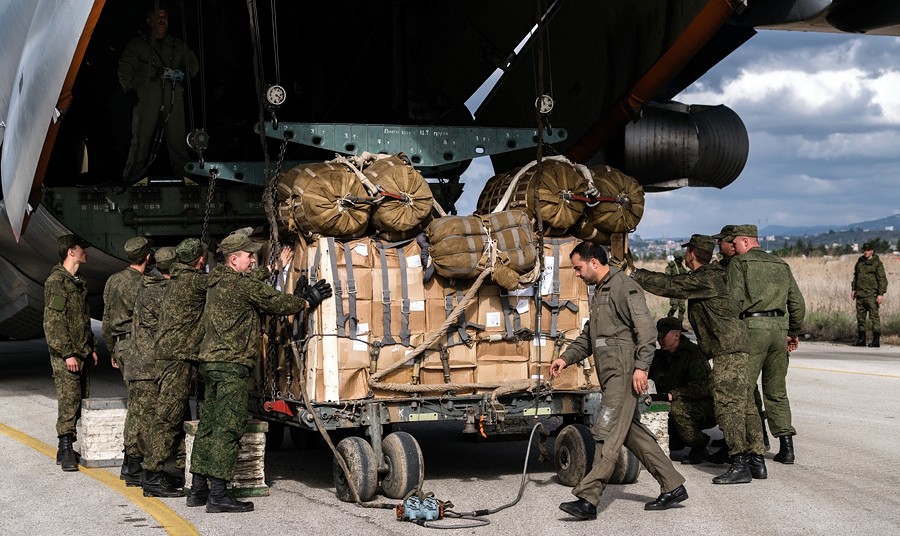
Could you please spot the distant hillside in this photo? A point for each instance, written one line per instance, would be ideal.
(871, 226)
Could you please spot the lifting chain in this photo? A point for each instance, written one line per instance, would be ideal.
(213, 175)
(270, 203)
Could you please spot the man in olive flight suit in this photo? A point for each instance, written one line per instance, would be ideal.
(868, 288)
(228, 352)
(620, 335)
(722, 337)
(67, 327)
(772, 308)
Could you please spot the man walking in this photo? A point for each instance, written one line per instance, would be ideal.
(869, 285)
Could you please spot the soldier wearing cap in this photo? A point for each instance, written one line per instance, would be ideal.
(674, 267)
(723, 338)
(868, 288)
(177, 346)
(119, 297)
(228, 352)
(67, 327)
(726, 249)
(681, 373)
(772, 307)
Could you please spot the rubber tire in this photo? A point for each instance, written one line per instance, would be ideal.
(627, 468)
(406, 466)
(573, 453)
(360, 460)
(303, 438)
(274, 436)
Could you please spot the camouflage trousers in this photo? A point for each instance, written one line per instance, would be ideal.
(71, 388)
(689, 418)
(867, 306)
(733, 380)
(769, 356)
(142, 396)
(223, 420)
(171, 408)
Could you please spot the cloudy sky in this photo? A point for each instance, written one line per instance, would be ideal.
(823, 114)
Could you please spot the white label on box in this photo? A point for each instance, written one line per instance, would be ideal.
(527, 291)
(414, 261)
(547, 276)
(411, 362)
(540, 341)
(522, 307)
(361, 250)
(418, 305)
(360, 343)
(492, 319)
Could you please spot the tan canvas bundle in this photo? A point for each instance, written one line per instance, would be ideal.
(406, 199)
(621, 201)
(326, 200)
(561, 187)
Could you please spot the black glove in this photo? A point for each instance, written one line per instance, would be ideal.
(317, 293)
(132, 97)
(300, 286)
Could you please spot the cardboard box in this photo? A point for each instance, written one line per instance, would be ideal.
(460, 356)
(571, 378)
(503, 350)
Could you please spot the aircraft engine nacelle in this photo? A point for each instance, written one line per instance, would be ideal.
(674, 145)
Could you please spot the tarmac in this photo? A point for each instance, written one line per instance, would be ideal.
(844, 481)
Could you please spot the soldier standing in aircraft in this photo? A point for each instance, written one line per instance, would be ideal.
(869, 285)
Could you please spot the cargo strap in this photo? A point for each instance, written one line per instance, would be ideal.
(512, 320)
(386, 293)
(460, 323)
(553, 303)
(338, 289)
(351, 293)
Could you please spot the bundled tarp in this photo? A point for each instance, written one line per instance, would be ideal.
(404, 199)
(562, 189)
(620, 202)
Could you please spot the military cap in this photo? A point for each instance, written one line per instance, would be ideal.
(701, 242)
(868, 247)
(667, 324)
(726, 231)
(137, 248)
(189, 250)
(238, 242)
(65, 242)
(165, 257)
(741, 230)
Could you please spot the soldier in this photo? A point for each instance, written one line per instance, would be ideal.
(681, 374)
(119, 297)
(227, 354)
(67, 327)
(772, 308)
(723, 338)
(177, 347)
(726, 249)
(620, 335)
(151, 72)
(869, 285)
(675, 267)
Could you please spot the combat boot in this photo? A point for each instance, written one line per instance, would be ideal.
(695, 455)
(199, 490)
(219, 501)
(67, 458)
(134, 473)
(123, 473)
(861, 339)
(757, 465)
(876, 340)
(738, 473)
(786, 452)
(720, 456)
(155, 484)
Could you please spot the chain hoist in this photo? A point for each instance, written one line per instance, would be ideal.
(213, 174)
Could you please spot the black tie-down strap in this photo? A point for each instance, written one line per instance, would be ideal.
(554, 303)
(460, 323)
(386, 294)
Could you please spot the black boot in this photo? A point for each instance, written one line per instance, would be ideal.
(876, 340)
(786, 453)
(757, 465)
(719, 456)
(695, 455)
(155, 485)
(199, 490)
(67, 458)
(738, 473)
(134, 473)
(581, 509)
(861, 339)
(219, 501)
(123, 473)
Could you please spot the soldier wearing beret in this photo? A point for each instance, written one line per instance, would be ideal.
(723, 338)
(772, 308)
(868, 288)
(67, 327)
(228, 352)
(119, 297)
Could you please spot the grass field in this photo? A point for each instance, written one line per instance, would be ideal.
(825, 284)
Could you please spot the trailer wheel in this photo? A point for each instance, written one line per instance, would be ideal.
(406, 467)
(360, 460)
(274, 436)
(627, 468)
(574, 453)
(302, 438)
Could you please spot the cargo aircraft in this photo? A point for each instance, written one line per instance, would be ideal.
(282, 82)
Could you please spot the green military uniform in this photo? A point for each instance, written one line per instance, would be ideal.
(676, 267)
(772, 308)
(228, 352)
(723, 338)
(685, 375)
(142, 69)
(621, 336)
(869, 282)
(67, 327)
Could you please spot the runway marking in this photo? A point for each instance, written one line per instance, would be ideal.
(879, 374)
(165, 516)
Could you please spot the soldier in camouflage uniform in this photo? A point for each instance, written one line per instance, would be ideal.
(228, 352)
(177, 347)
(713, 314)
(869, 285)
(119, 297)
(772, 308)
(675, 267)
(620, 336)
(67, 327)
(682, 376)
